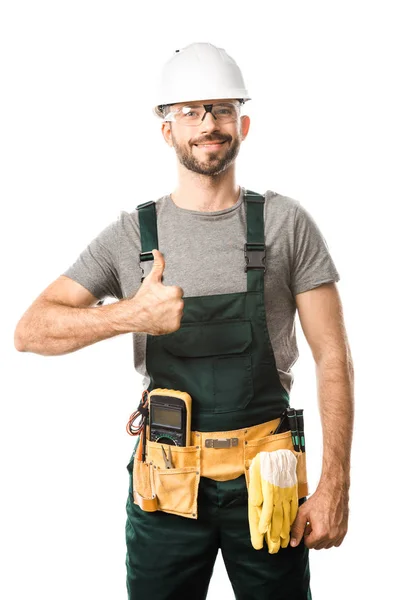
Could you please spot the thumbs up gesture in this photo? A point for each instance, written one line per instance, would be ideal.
(158, 307)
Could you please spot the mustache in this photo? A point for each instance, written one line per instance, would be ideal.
(209, 140)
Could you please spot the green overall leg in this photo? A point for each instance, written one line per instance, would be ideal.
(171, 557)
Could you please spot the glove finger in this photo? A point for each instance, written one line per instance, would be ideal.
(254, 513)
(294, 505)
(257, 539)
(254, 502)
(285, 541)
(273, 545)
(285, 518)
(267, 507)
(277, 520)
(255, 489)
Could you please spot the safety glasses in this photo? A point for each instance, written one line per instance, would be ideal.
(193, 113)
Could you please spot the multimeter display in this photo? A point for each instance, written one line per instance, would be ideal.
(166, 417)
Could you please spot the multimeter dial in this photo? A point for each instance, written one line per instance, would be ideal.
(166, 439)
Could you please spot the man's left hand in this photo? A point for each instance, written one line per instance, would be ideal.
(322, 519)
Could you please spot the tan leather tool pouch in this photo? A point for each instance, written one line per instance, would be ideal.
(176, 488)
(143, 493)
(270, 443)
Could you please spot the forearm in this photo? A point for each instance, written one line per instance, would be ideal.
(52, 329)
(335, 381)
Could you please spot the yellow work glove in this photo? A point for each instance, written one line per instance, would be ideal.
(273, 498)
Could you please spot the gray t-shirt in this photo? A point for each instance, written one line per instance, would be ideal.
(204, 254)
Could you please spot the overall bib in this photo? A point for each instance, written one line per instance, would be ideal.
(222, 356)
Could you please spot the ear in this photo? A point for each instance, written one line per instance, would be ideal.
(244, 126)
(166, 131)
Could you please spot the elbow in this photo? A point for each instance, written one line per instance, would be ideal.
(23, 333)
(30, 335)
(19, 339)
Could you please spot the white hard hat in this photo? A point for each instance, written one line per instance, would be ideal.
(199, 71)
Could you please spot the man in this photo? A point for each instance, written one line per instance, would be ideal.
(213, 316)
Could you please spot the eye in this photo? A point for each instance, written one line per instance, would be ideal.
(224, 110)
(190, 111)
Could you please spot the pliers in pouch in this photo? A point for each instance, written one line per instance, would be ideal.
(167, 460)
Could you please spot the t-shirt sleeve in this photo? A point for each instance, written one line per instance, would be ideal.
(97, 267)
(312, 264)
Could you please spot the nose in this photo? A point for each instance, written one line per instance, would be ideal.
(209, 123)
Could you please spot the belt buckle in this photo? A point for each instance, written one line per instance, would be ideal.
(221, 442)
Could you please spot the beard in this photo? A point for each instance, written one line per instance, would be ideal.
(213, 163)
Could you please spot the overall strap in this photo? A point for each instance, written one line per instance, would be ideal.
(254, 249)
(148, 230)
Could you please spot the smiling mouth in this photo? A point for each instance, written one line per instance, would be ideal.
(211, 146)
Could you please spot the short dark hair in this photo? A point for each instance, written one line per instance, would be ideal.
(164, 108)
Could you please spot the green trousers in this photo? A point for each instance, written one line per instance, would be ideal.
(170, 557)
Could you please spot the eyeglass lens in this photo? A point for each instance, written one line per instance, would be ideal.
(194, 114)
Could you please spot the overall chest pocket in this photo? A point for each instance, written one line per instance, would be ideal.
(212, 362)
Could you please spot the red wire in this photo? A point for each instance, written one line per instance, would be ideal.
(136, 429)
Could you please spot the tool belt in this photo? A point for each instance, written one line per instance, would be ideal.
(218, 455)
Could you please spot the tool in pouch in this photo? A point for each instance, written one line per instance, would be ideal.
(167, 460)
(168, 479)
(166, 418)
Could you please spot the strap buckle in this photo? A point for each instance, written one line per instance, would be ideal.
(256, 258)
(144, 256)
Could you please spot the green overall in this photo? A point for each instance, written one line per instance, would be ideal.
(223, 357)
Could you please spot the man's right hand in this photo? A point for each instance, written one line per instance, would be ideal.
(158, 307)
(63, 319)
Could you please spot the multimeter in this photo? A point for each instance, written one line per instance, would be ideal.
(170, 414)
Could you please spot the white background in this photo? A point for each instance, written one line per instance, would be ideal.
(79, 143)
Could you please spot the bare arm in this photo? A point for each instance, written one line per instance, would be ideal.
(63, 319)
(323, 519)
(321, 317)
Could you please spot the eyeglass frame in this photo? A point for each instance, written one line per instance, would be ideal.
(207, 108)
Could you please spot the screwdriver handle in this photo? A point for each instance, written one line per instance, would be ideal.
(291, 413)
